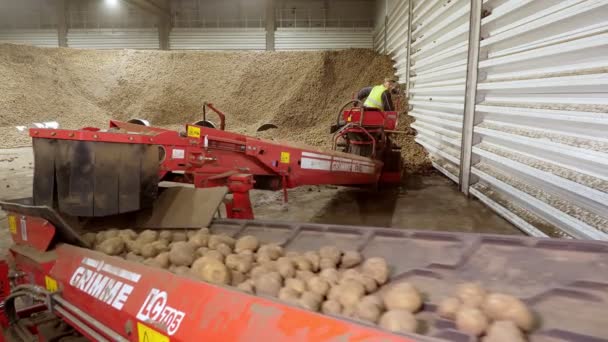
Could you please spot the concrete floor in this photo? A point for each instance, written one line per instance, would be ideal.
(424, 202)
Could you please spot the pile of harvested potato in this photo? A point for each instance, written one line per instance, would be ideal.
(476, 312)
(330, 280)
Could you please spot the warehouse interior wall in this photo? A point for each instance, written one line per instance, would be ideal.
(194, 24)
(510, 100)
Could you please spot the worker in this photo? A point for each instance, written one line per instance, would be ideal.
(378, 97)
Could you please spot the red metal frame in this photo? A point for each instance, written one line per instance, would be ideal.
(209, 157)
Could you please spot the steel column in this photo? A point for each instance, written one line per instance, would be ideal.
(410, 10)
(468, 121)
(62, 25)
(270, 25)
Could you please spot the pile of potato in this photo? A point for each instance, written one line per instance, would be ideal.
(328, 280)
(476, 312)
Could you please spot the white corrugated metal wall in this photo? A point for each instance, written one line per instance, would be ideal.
(542, 115)
(390, 34)
(217, 39)
(146, 38)
(437, 78)
(540, 141)
(43, 38)
(323, 39)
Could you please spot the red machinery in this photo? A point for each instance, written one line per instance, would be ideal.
(93, 172)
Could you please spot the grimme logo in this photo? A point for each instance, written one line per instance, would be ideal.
(155, 310)
(105, 282)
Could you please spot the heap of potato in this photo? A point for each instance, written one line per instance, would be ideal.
(499, 316)
(328, 280)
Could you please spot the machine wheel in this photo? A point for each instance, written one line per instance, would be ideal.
(205, 123)
(142, 122)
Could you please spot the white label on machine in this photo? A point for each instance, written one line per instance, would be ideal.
(156, 310)
(97, 279)
(23, 229)
(315, 164)
(178, 154)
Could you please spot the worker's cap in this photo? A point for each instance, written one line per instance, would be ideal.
(390, 79)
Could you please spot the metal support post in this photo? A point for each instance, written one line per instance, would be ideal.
(408, 63)
(270, 24)
(62, 23)
(468, 121)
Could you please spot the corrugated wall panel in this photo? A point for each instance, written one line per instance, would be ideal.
(44, 38)
(391, 37)
(323, 39)
(217, 39)
(437, 78)
(542, 113)
(113, 39)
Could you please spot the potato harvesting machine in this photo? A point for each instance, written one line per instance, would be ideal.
(56, 287)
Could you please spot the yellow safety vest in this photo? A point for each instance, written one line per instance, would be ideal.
(374, 100)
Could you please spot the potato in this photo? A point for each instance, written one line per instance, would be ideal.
(270, 251)
(153, 248)
(215, 240)
(331, 252)
(238, 263)
(367, 311)
(246, 243)
(236, 277)
(181, 270)
(165, 235)
(259, 270)
(286, 267)
(223, 248)
(89, 239)
(204, 230)
(304, 275)
(179, 236)
(318, 285)
(211, 270)
(246, 286)
(331, 275)
(148, 236)
(471, 320)
(402, 296)
(289, 295)
(111, 246)
(134, 257)
(374, 299)
(182, 254)
(351, 291)
(377, 269)
(127, 234)
(349, 311)
(100, 237)
(112, 233)
(331, 307)
(201, 251)
(448, 308)
(350, 259)
(314, 259)
(334, 292)
(397, 320)
(325, 263)
(134, 246)
(504, 331)
(292, 254)
(500, 306)
(162, 259)
(310, 301)
(302, 264)
(350, 274)
(268, 284)
(214, 254)
(369, 283)
(471, 294)
(297, 285)
(247, 252)
(199, 239)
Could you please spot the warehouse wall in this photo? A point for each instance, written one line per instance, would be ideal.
(538, 112)
(196, 24)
